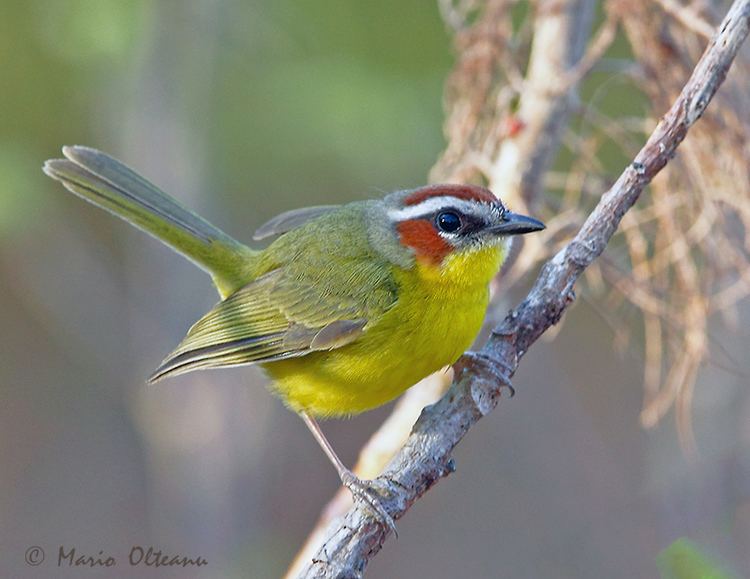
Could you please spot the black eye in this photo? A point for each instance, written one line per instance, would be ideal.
(448, 221)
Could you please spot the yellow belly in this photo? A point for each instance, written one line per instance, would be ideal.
(438, 314)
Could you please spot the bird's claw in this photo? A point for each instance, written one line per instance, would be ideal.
(481, 363)
(364, 491)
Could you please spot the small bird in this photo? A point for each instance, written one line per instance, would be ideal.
(348, 307)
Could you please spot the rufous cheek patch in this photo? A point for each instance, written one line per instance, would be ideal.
(423, 238)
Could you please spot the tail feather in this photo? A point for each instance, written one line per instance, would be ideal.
(107, 183)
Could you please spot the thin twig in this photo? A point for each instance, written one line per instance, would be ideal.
(594, 53)
(426, 457)
(686, 16)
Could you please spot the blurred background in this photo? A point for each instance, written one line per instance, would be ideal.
(244, 109)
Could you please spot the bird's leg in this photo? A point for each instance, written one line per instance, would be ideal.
(360, 489)
(481, 362)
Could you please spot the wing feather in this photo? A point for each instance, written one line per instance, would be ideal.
(275, 317)
(319, 287)
(289, 220)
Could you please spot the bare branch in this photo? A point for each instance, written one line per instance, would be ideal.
(687, 17)
(425, 458)
(561, 31)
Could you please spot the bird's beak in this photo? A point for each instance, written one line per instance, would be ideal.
(515, 224)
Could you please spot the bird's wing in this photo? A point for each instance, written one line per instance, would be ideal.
(291, 220)
(286, 313)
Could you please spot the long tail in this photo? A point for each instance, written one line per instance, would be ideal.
(109, 184)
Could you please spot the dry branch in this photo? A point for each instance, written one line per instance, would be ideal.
(426, 457)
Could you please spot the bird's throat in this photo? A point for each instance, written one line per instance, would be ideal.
(464, 269)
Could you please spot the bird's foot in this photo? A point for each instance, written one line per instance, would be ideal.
(365, 491)
(481, 363)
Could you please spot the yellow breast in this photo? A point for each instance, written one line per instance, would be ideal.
(438, 314)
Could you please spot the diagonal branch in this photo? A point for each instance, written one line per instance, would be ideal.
(426, 457)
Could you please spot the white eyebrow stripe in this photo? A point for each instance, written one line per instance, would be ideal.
(431, 205)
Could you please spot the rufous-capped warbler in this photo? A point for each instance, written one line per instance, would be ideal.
(348, 306)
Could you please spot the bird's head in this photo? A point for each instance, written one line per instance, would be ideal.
(438, 221)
